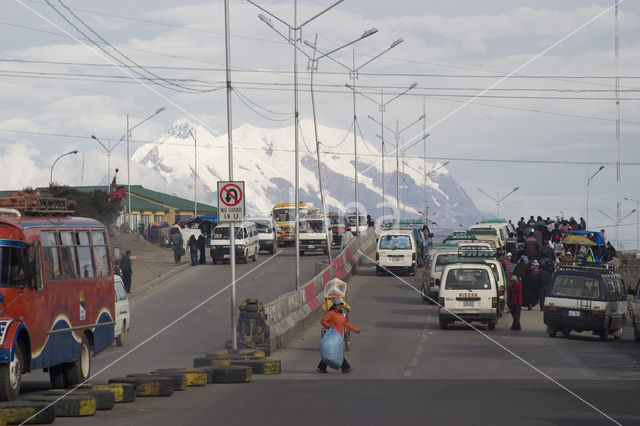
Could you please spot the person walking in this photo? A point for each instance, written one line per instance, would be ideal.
(192, 243)
(335, 318)
(126, 270)
(542, 280)
(514, 300)
(529, 294)
(177, 243)
(202, 245)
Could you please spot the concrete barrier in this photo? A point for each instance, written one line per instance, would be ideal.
(294, 310)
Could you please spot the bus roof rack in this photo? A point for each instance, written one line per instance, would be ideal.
(37, 205)
(587, 266)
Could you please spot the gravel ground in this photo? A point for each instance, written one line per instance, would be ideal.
(148, 261)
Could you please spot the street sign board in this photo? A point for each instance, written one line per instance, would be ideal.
(231, 201)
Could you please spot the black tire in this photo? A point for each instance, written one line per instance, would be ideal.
(491, 326)
(72, 405)
(78, 371)
(257, 365)
(245, 258)
(551, 330)
(105, 399)
(566, 332)
(56, 376)
(11, 377)
(636, 332)
(121, 337)
(19, 412)
(232, 374)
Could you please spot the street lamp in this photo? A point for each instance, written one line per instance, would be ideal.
(617, 222)
(353, 75)
(111, 148)
(588, 182)
(195, 175)
(498, 200)
(382, 107)
(129, 129)
(637, 223)
(75, 151)
(293, 38)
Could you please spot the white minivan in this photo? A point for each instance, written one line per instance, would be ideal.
(123, 316)
(468, 292)
(246, 242)
(312, 232)
(396, 252)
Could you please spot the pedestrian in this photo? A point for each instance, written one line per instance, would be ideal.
(177, 243)
(531, 246)
(543, 277)
(514, 300)
(370, 221)
(126, 270)
(335, 318)
(529, 294)
(521, 267)
(192, 243)
(202, 244)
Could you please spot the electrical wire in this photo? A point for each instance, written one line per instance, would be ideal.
(248, 105)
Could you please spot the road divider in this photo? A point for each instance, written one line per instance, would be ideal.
(72, 405)
(105, 399)
(122, 392)
(148, 385)
(36, 412)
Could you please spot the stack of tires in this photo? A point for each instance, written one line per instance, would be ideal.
(253, 331)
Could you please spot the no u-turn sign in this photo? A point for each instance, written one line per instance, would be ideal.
(231, 201)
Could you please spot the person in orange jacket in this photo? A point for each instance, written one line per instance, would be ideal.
(334, 318)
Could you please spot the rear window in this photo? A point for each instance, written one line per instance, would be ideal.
(222, 233)
(395, 242)
(467, 279)
(441, 261)
(576, 286)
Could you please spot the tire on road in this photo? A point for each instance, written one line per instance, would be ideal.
(232, 374)
(68, 406)
(178, 381)
(105, 399)
(78, 371)
(257, 365)
(122, 392)
(148, 386)
(17, 412)
(272, 367)
(193, 377)
(11, 377)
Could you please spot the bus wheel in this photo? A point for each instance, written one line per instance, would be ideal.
(120, 338)
(10, 377)
(56, 376)
(78, 371)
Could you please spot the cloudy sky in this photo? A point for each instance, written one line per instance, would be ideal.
(75, 68)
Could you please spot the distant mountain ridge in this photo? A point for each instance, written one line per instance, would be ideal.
(264, 160)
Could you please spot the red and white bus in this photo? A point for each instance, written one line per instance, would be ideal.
(56, 293)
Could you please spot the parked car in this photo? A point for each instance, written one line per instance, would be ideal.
(123, 317)
(267, 235)
(585, 299)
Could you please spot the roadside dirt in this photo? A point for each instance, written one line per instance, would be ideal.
(148, 261)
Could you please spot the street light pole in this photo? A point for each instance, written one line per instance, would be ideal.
(75, 151)
(637, 223)
(425, 174)
(588, 182)
(129, 129)
(498, 200)
(617, 222)
(111, 148)
(195, 174)
(293, 38)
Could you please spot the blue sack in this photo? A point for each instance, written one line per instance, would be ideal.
(332, 348)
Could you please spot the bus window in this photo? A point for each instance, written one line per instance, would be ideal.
(32, 271)
(69, 265)
(12, 266)
(85, 262)
(50, 256)
(101, 254)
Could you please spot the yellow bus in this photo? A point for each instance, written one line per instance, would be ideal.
(284, 215)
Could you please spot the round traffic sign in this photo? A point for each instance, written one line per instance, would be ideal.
(231, 195)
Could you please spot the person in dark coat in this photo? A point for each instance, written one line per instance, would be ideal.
(543, 277)
(529, 295)
(514, 301)
(193, 245)
(202, 245)
(177, 243)
(126, 270)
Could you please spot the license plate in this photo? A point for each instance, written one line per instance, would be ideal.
(396, 259)
(467, 304)
(574, 313)
(311, 246)
(226, 256)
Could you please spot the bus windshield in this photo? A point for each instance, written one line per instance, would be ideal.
(12, 267)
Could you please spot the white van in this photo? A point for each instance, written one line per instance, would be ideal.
(362, 223)
(267, 235)
(246, 242)
(468, 292)
(434, 264)
(396, 252)
(312, 233)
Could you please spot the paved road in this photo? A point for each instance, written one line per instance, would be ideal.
(406, 370)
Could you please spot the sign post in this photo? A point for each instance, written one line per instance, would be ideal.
(231, 210)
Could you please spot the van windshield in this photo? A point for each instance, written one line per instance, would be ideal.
(467, 279)
(222, 233)
(395, 242)
(576, 286)
(311, 226)
(264, 226)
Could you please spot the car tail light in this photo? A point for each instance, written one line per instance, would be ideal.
(377, 257)
(432, 282)
(550, 309)
(501, 290)
(597, 313)
(441, 301)
(494, 302)
(413, 257)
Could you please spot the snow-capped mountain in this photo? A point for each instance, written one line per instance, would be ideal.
(264, 159)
